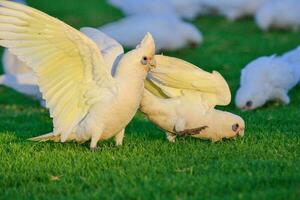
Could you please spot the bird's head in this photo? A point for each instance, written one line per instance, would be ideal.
(250, 98)
(221, 124)
(142, 56)
(231, 125)
(257, 82)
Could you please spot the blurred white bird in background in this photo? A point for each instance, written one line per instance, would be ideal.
(169, 32)
(180, 98)
(85, 100)
(187, 9)
(138, 7)
(234, 9)
(283, 14)
(18, 76)
(190, 9)
(268, 78)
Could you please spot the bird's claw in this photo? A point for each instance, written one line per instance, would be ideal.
(94, 149)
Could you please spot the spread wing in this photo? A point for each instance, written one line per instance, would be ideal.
(70, 68)
(174, 77)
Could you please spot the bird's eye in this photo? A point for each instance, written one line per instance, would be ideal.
(249, 104)
(144, 60)
(235, 127)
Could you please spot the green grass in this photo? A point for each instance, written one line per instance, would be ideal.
(265, 164)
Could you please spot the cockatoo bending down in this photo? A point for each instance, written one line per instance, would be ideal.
(85, 101)
(279, 14)
(268, 78)
(169, 32)
(180, 98)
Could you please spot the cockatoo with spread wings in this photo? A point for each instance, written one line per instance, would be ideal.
(85, 101)
(180, 98)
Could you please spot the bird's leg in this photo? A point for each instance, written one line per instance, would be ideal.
(179, 126)
(119, 138)
(94, 140)
(282, 96)
(171, 137)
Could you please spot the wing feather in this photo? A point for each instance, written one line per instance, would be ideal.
(176, 77)
(67, 63)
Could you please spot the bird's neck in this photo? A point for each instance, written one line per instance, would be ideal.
(130, 74)
(130, 81)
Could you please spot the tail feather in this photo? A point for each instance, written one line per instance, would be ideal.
(46, 137)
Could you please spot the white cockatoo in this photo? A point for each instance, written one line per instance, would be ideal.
(139, 7)
(169, 32)
(190, 9)
(267, 78)
(85, 101)
(279, 14)
(187, 9)
(180, 98)
(234, 9)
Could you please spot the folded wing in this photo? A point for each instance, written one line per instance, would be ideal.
(174, 77)
(70, 68)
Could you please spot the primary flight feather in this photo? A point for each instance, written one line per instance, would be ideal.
(85, 101)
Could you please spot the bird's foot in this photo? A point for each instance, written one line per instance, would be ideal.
(119, 144)
(94, 149)
(171, 138)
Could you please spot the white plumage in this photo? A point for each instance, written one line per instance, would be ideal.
(234, 9)
(85, 101)
(293, 57)
(138, 7)
(187, 9)
(18, 76)
(268, 78)
(284, 14)
(190, 9)
(169, 32)
(180, 98)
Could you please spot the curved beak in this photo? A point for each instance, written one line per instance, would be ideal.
(152, 63)
(241, 132)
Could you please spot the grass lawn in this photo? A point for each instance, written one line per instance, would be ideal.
(265, 164)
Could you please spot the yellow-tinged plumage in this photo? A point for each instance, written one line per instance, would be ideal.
(67, 63)
(180, 99)
(175, 77)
